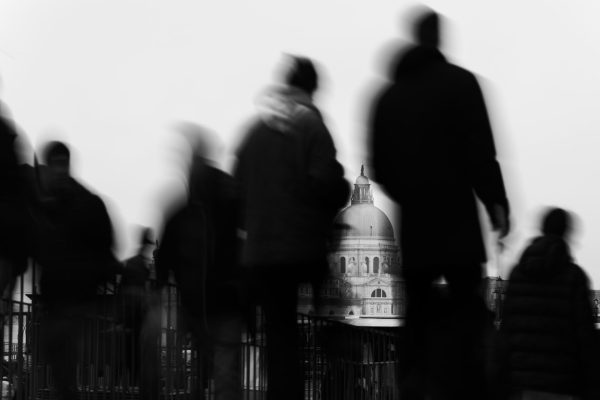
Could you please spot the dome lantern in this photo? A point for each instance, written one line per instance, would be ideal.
(361, 218)
(362, 189)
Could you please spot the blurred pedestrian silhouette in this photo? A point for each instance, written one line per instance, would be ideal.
(74, 240)
(433, 152)
(14, 221)
(13, 218)
(291, 188)
(200, 246)
(133, 303)
(548, 344)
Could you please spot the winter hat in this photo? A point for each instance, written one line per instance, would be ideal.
(556, 222)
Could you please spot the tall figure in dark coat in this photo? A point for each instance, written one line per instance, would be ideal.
(434, 154)
(74, 240)
(291, 187)
(13, 222)
(200, 246)
(548, 340)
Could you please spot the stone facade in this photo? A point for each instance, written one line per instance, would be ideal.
(364, 263)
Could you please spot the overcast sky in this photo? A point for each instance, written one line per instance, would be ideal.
(113, 77)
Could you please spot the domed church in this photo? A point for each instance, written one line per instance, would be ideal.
(364, 263)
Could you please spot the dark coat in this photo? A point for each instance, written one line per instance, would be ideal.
(548, 335)
(14, 222)
(200, 244)
(291, 183)
(74, 239)
(433, 152)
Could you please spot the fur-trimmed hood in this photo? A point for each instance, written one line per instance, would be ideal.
(283, 107)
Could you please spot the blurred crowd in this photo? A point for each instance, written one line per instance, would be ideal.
(250, 238)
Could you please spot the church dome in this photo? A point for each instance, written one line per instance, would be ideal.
(362, 180)
(364, 220)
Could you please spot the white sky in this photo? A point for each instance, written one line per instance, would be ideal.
(112, 77)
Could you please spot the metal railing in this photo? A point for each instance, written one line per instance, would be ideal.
(127, 350)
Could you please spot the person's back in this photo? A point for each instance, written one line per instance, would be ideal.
(200, 246)
(14, 240)
(291, 183)
(548, 330)
(74, 235)
(74, 240)
(434, 154)
(433, 146)
(291, 188)
(74, 250)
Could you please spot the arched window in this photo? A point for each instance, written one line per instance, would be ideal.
(343, 265)
(376, 265)
(378, 293)
(367, 263)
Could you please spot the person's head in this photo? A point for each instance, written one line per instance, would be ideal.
(57, 157)
(302, 74)
(557, 222)
(146, 238)
(427, 29)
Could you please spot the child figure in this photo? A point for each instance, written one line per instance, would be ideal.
(547, 336)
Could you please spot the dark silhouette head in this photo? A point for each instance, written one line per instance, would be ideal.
(427, 29)
(57, 157)
(54, 152)
(302, 75)
(146, 237)
(557, 222)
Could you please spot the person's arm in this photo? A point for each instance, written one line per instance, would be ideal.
(325, 173)
(380, 128)
(484, 169)
(101, 238)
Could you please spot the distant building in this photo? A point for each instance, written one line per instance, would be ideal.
(365, 287)
(596, 304)
(364, 264)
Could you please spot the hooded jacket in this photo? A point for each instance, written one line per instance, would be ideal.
(548, 335)
(291, 184)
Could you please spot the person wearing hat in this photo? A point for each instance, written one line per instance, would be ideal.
(547, 339)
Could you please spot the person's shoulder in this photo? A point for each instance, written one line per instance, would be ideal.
(517, 273)
(249, 133)
(223, 182)
(82, 193)
(385, 96)
(460, 75)
(311, 114)
(251, 128)
(577, 274)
